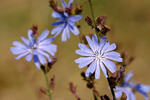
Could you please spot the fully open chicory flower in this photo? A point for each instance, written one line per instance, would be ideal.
(66, 22)
(128, 87)
(98, 56)
(37, 48)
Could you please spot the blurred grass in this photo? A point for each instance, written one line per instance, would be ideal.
(19, 80)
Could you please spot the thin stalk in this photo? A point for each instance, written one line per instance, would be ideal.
(92, 12)
(111, 88)
(93, 18)
(48, 87)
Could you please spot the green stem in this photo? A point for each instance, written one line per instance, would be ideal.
(111, 88)
(92, 12)
(95, 97)
(48, 86)
(93, 18)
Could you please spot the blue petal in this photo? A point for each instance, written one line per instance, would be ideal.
(111, 47)
(102, 42)
(95, 40)
(103, 69)
(41, 58)
(74, 30)
(44, 54)
(30, 35)
(15, 50)
(57, 15)
(128, 76)
(83, 53)
(91, 43)
(58, 23)
(51, 48)
(26, 41)
(91, 69)
(58, 29)
(66, 15)
(19, 45)
(36, 61)
(118, 92)
(110, 65)
(46, 41)
(104, 48)
(84, 61)
(63, 4)
(143, 89)
(113, 56)
(83, 47)
(132, 96)
(74, 18)
(22, 55)
(29, 57)
(43, 35)
(70, 3)
(97, 72)
(65, 34)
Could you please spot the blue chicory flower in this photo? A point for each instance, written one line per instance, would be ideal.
(128, 91)
(128, 86)
(99, 55)
(37, 48)
(66, 23)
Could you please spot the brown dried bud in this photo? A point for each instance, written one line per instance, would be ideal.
(90, 85)
(43, 90)
(83, 74)
(89, 21)
(73, 90)
(34, 29)
(43, 68)
(54, 6)
(52, 82)
(78, 10)
(123, 97)
(101, 20)
(69, 11)
(119, 75)
(101, 27)
(105, 29)
(50, 64)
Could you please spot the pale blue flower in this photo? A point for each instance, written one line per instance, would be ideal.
(37, 49)
(98, 56)
(143, 89)
(65, 23)
(128, 91)
(128, 86)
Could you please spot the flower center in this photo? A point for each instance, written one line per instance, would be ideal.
(97, 55)
(34, 46)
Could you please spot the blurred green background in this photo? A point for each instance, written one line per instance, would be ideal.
(19, 80)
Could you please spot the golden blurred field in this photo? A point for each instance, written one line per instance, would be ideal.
(19, 80)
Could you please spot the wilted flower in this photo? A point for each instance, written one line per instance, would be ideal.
(98, 55)
(66, 22)
(128, 86)
(37, 48)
